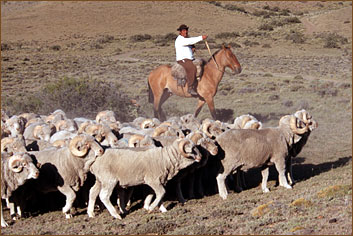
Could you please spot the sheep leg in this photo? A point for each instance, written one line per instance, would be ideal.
(93, 194)
(124, 196)
(264, 174)
(221, 183)
(3, 222)
(181, 198)
(104, 195)
(281, 168)
(147, 201)
(70, 198)
(160, 191)
(238, 184)
(199, 184)
(289, 171)
(191, 186)
(12, 207)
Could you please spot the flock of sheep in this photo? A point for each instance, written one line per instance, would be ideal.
(58, 153)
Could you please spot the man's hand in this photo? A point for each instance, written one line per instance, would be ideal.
(204, 37)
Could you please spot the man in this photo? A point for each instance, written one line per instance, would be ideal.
(185, 55)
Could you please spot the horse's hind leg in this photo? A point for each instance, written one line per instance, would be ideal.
(158, 106)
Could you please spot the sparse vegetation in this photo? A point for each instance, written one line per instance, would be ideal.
(293, 67)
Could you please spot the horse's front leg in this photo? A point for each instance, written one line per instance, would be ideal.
(199, 106)
(210, 104)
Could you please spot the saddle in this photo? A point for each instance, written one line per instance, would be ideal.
(179, 72)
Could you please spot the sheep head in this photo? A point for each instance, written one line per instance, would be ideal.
(82, 143)
(188, 149)
(292, 122)
(20, 161)
(307, 119)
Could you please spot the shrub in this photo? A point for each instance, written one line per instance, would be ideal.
(266, 27)
(235, 8)
(332, 40)
(77, 97)
(296, 37)
(140, 37)
(164, 40)
(227, 35)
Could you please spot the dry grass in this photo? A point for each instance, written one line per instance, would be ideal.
(285, 69)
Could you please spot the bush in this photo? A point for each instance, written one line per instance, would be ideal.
(296, 37)
(266, 27)
(140, 37)
(227, 35)
(235, 8)
(332, 40)
(164, 40)
(77, 97)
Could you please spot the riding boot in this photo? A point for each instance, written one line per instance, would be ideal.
(192, 91)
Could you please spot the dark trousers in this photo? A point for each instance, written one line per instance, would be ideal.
(190, 69)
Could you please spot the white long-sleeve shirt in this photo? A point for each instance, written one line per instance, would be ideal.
(183, 47)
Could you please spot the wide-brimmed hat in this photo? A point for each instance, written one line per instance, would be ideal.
(181, 27)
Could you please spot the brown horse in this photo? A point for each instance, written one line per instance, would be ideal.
(162, 85)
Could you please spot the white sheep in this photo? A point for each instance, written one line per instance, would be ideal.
(130, 167)
(247, 148)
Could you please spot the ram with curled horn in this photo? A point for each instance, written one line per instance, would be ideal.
(244, 149)
(65, 169)
(193, 173)
(15, 171)
(131, 167)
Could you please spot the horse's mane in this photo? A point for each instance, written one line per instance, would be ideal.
(214, 54)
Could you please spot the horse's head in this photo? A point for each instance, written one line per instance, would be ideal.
(230, 60)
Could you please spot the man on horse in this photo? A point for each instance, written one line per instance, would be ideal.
(185, 55)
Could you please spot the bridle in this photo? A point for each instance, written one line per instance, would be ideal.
(209, 51)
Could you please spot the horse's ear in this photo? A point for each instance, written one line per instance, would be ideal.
(229, 46)
(223, 47)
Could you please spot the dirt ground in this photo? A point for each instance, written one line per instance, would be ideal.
(42, 42)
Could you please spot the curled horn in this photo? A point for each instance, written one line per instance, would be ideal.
(244, 121)
(96, 131)
(59, 143)
(83, 127)
(78, 146)
(196, 137)
(60, 124)
(205, 128)
(182, 146)
(36, 131)
(166, 123)
(15, 163)
(5, 143)
(160, 130)
(146, 123)
(134, 138)
(255, 125)
(99, 116)
(294, 128)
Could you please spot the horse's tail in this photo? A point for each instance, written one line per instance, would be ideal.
(150, 94)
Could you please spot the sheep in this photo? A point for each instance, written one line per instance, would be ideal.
(65, 169)
(207, 147)
(15, 171)
(14, 126)
(246, 122)
(13, 145)
(130, 167)
(307, 119)
(39, 131)
(62, 135)
(247, 148)
(67, 124)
